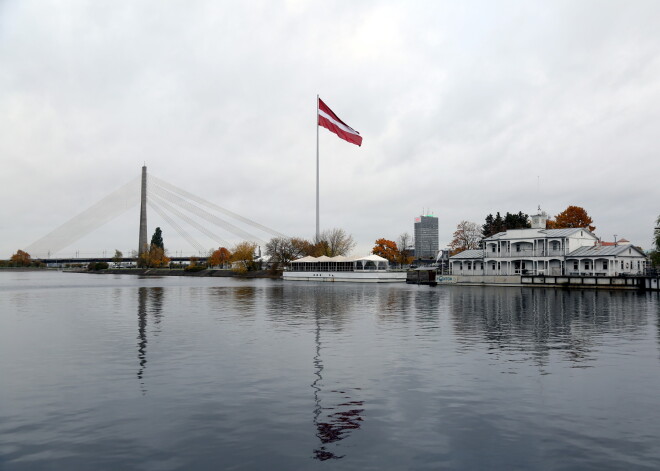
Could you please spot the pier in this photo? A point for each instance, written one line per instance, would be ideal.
(636, 282)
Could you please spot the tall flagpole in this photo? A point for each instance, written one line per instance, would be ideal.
(317, 170)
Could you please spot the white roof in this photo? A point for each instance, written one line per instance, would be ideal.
(373, 258)
(341, 258)
(470, 253)
(306, 259)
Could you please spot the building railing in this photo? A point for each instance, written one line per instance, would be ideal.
(522, 253)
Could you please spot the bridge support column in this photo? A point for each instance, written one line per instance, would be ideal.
(142, 244)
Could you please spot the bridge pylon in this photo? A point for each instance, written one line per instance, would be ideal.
(142, 244)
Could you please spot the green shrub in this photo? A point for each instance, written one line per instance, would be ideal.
(96, 266)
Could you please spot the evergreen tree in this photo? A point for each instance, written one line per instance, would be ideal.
(498, 223)
(487, 229)
(516, 221)
(157, 239)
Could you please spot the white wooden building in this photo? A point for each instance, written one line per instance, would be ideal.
(540, 251)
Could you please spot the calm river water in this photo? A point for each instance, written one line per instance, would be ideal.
(118, 372)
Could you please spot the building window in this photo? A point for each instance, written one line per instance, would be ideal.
(622, 264)
(604, 264)
(575, 265)
(493, 247)
(586, 265)
(517, 247)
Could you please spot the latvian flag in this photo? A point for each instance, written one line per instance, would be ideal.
(329, 120)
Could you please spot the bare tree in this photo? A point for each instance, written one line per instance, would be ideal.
(283, 249)
(404, 242)
(404, 245)
(467, 236)
(337, 242)
(118, 257)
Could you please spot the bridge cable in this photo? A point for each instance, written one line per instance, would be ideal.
(112, 206)
(204, 214)
(188, 219)
(214, 206)
(176, 226)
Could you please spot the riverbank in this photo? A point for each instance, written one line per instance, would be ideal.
(182, 272)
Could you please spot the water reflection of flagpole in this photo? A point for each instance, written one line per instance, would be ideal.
(321, 453)
(334, 427)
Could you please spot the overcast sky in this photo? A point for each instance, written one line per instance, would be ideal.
(461, 105)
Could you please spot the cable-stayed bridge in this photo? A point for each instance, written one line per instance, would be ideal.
(188, 214)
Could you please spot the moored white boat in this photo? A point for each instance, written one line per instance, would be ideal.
(369, 269)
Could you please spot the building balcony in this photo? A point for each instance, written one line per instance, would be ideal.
(525, 253)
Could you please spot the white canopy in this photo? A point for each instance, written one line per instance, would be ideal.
(306, 259)
(372, 258)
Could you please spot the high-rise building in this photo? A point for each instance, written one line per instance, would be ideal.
(426, 237)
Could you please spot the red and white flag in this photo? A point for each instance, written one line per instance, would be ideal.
(329, 120)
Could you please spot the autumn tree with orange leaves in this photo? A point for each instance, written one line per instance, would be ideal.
(386, 249)
(21, 259)
(571, 217)
(154, 258)
(242, 257)
(219, 257)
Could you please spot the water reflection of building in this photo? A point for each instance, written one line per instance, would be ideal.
(542, 320)
(150, 304)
